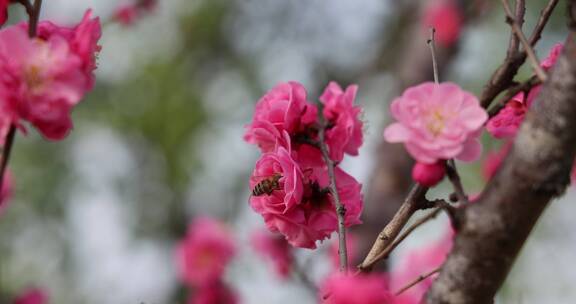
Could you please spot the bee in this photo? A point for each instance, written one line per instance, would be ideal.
(267, 186)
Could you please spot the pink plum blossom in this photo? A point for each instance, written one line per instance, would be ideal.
(284, 108)
(290, 192)
(315, 217)
(205, 252)
(214, 293)
(273, 246)
(44, 78)
(355, 289)
(429, 174)
(345, 133)
(417, 262)
(553, 55)
(446, 17)
(437, 122)
(32, 296)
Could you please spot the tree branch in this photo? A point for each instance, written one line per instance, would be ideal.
(417, 280)
(340, 209)
(536, 171)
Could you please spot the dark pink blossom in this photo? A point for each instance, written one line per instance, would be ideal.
(315, 217)
(429, 174)
(32, 296)
(282, 109)
(550, 60)
(355, 289)
(43, 78)
(126, 15)
(213, 293)
(446, 17)
(344, 134)
(278, 165)
(273, 247)
(205, 252)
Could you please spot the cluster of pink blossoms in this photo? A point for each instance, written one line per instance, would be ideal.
(295, 200)
(128, 13)
(202, 258)
(43, 78)
(506, 123)
(436, 122)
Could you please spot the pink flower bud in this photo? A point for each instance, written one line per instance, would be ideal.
(428, 174)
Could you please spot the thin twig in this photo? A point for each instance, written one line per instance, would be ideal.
(520, 10)
(418, 280)
(454, 178)
(386, 252)
(510, 19)
(431, 44)
(34, 15)
(544, 17)
(411, 204)
(522, 87)
(340, 209)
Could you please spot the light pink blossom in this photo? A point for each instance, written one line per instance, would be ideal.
(429, 174)
(205, 252)
(32, 296)
(355, 289)
(214, 293)
(282, 109)
(277, 164)
(437, 122)
(344, 134)
(273, 247)
(446, 17)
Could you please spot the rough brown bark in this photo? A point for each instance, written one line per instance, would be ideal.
(536, 171)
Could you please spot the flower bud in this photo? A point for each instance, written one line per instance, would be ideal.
(428, 174)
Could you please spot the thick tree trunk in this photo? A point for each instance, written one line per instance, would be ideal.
(536, 171)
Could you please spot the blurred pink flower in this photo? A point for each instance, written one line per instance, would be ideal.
(281, 166)
(214, 293)
(345, 133)
(205, 252)
(418, 262)
(446, 17)
(429, 174)
(355, 289)
(315, 217)
(126, 14)
(44, 78)
(437, 122)
(32, 296)
(284, 108)
(273, 246)
(6, 191)
(550, 60)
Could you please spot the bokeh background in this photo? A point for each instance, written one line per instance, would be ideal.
(95, 218)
